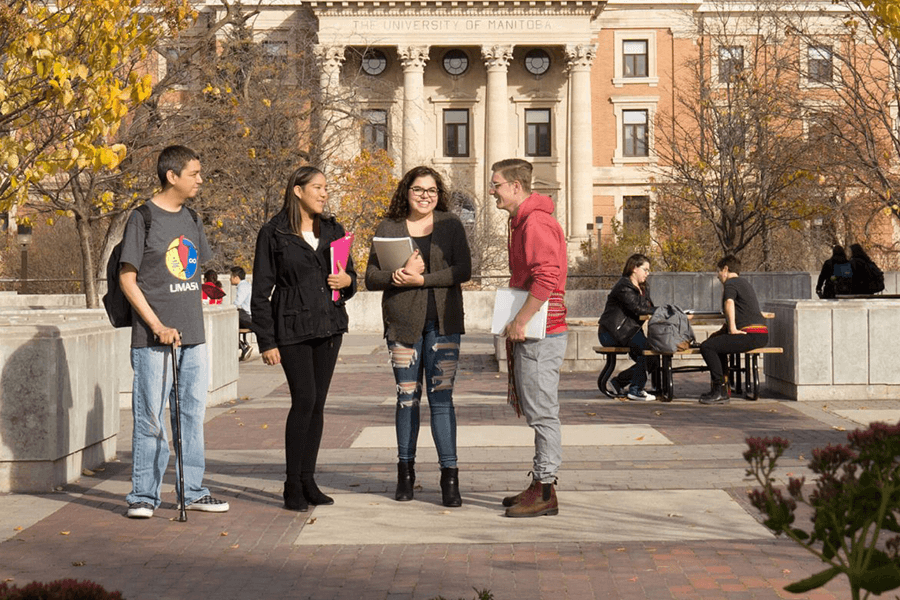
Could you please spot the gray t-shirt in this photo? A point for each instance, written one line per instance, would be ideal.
(169, 272)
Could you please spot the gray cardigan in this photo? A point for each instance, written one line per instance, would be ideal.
(403, 309)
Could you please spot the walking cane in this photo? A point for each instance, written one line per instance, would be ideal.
(182, 513)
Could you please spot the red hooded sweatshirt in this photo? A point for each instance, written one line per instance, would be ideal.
(537, 257)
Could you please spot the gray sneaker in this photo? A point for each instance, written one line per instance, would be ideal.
(140, 510)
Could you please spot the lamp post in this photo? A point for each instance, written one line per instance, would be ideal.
(23, 238)
(598, 225)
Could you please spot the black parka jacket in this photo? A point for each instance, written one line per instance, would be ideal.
(622, 316)
(300, 307)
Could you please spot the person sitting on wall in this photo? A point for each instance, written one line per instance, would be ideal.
(836, 274)
(867, 277)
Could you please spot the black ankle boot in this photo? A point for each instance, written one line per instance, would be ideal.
(450, 487)
(313, 495)
(718, 394)
(406, 479)
(293, 497)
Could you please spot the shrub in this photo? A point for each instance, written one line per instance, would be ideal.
(63, 589)
(855, 501)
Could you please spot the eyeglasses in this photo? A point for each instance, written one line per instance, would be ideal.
(433, 192)
(494, 186)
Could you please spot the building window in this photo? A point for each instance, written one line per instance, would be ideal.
(537, 132)
(636, 214)
(275, 51)
(374, 62)
(634, 133)
(731, 62)
(375, 130)
(456, 132)
(634, 58)
(820, 64)
(537, 62)
(456, 62)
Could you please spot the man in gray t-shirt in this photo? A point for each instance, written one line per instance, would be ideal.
(160, 276)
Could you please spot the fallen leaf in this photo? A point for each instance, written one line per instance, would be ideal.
(445, 512)
(658, 413)
(87, 472)
(838, 428)
(265, 426)
(591, 414)
(240, 424)
(235, 546)
(19, 528)
(353, 485)
(788, 474)
(801, 457)
(786, 571)
(224, 534)
(633, 579)
(232, 402)
(78, 563)
(8, 579)
(675, 516)
(59, 488)
(639, 438)
(311, 521)
(64, 532)
(232, 411)
(717, 437)
(620, 549)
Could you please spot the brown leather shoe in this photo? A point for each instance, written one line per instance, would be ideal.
(513, 500)
(536, 501)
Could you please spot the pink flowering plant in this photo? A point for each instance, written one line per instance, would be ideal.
(855, 507)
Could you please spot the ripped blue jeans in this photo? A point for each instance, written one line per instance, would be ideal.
(436, 357)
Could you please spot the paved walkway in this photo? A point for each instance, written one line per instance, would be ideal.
(652, 501)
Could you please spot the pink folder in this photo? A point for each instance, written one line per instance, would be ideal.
(340, 252)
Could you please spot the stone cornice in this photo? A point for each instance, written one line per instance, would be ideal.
(453, 7)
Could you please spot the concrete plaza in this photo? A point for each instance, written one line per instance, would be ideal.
(652, 500)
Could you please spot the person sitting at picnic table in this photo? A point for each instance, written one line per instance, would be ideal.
(620, 325)
(743, 329)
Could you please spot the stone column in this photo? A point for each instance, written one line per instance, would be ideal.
(496, 121)
(413, 59)
(330, 59)
(581, 154)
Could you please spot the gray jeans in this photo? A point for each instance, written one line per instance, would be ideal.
(537, 364)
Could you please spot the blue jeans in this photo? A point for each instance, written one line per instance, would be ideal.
(537, 364)
(634, 376)
(436, 356)
(149, 445)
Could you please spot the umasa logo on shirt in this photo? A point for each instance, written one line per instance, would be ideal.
(181, 260)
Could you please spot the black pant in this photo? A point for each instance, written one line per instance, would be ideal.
(245, 321)
(716, 349)
(308, 367)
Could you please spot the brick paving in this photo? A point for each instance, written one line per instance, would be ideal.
(249, 552)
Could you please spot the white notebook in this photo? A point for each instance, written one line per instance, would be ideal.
(507, 304)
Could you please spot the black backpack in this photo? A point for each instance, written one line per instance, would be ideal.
(118, 309)
(874, 278)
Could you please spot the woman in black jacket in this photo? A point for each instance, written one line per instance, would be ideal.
(831, 280)
(422, 308)
(620, 325)
(301, 327)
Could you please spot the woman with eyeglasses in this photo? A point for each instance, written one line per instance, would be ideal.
(422, 309)
(620, 325)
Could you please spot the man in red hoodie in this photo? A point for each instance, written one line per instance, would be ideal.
(538, 264)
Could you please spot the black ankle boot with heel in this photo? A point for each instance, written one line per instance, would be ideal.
(718, 394)
(313, 495)
(406, 480)
(450, 487)
(293, 497)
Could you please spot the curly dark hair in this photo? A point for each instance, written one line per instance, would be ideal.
(399, 208)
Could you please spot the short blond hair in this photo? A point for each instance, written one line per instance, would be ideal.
(515, 169)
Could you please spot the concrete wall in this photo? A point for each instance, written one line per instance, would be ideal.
(64, 375)
(835, 349)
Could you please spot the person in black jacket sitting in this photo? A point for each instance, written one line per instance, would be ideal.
(301, 327)
(832, 280)
(620, 325)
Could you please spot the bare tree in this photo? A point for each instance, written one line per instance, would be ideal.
(733, 151)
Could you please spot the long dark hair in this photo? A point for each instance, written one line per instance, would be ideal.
(291, 207)
(633, 262)
(856, 251)
(399, 208)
